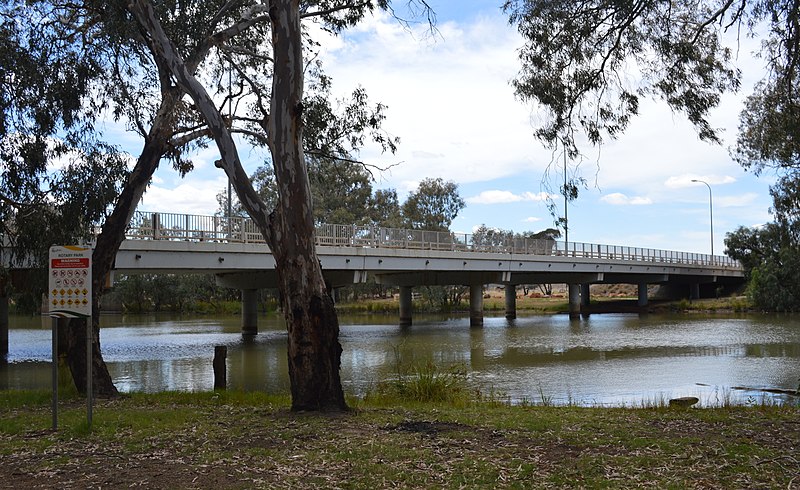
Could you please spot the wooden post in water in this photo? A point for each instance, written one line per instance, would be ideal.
(220, 371)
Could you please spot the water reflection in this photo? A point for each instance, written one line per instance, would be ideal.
(602, 359)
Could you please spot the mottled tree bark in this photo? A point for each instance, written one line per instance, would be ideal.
(314, 350)
(4, 325)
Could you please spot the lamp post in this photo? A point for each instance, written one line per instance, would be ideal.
(710, 213)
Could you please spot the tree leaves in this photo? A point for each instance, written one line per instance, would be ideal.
(433, 206)
(588, 63)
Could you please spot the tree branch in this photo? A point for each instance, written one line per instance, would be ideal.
(165, 52)
(333, 10)
(716, 15)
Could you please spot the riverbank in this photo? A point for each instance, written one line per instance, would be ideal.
(236, 440)
(558, 304)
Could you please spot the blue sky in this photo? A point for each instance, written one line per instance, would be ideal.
(450, 102)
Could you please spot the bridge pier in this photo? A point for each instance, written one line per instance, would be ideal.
(574, 300)
(406, 306)
(642, 301)
(476, 305)
(585, 298)
(511, 301)
(249, 311)
(694, 291)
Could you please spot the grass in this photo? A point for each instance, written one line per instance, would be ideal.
(423, 383)
(246, 440)
(736, 304)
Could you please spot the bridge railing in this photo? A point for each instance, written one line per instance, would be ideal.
(172, 226)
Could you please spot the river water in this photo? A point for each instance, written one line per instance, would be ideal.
(608, 359)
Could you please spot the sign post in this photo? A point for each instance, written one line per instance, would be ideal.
(70, 296)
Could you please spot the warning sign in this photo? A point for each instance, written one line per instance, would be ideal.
(70, 282)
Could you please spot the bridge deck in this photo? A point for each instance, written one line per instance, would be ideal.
(230, 247)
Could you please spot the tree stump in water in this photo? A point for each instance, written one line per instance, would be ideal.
(220, 369)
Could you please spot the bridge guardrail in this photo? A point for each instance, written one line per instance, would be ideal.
(236, 229)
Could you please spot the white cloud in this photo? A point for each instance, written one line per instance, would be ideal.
(190, 197)
(531, 219)
(736, 201)
(449, 98)
(426, 155)
(505, 197)
(619, 199)
(680, 181)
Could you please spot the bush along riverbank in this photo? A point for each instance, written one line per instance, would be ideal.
(392, 439)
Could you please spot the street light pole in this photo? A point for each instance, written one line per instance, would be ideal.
(710, 212)
(566, 205)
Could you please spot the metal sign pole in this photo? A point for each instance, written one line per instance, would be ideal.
(89, 393)
(54, 405)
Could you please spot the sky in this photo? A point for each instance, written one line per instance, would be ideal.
(451, 103)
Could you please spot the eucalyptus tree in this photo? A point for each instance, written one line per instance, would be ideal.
(589, 64)
(770, 254)
(128, 84)
(341, 191)
(127, 87)
(385, 210)
(57, 177)
(273, 73)
(433, 206)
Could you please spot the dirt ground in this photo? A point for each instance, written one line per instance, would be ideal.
(253, 448)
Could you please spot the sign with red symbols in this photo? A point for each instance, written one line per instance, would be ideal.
(70, 273)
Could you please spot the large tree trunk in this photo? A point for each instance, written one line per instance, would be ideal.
(314, 350)
(3, 317)
(105, 251)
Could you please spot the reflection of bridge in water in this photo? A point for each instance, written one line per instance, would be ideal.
(233, 250)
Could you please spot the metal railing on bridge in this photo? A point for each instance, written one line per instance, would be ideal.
(172, 226)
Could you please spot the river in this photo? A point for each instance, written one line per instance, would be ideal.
(608, 359)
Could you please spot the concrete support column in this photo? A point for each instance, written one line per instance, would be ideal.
(585, 296)
(249, 311)
(406, 306)
(694, 291)
(511, 301)
(574, 300)
(585, 299)
(476, 305)
(642, 294)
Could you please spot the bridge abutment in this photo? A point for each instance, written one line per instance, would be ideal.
(249, 311)
(476, 305)
(406, 306)
(511, 301)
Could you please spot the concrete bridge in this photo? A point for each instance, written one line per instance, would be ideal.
(234, 251)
